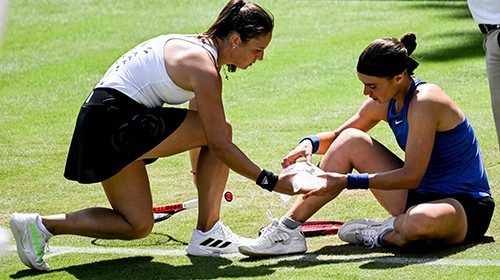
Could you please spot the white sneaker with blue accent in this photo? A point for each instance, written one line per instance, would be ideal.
(365, 232)
(275, 239)
(219, 240)
(30, 240)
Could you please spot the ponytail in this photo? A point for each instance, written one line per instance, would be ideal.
(388, 57)
(409, 40)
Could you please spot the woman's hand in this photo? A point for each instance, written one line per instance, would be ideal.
(304, 149)
(335, 183)
(285, 186)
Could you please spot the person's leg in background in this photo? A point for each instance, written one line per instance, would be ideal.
(492, 48)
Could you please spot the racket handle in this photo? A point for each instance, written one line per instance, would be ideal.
(193, 203)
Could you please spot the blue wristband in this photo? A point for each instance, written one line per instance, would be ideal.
(357, 181)
(314, 140)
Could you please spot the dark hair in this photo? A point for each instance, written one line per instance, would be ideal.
(248, 19)
(388, 57)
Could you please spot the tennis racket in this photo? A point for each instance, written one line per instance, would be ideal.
(318, 228)
(322, 227)
(163, 212)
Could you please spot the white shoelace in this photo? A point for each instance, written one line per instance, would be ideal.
(270, 228)
(228, 233)
(369, 237)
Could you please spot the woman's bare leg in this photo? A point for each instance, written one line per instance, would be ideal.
(209, 174)
(130, 217)
(354, 149)
(444, 220)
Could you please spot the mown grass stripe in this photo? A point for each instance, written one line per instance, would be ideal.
(383, 259)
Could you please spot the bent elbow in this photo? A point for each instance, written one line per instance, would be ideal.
(413, 183)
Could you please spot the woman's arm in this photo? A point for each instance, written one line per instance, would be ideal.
(369, 114)
(207, 86)
(423, 117)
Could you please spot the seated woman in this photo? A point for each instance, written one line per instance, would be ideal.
(439, 193)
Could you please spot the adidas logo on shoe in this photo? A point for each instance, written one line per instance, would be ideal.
(215, 243)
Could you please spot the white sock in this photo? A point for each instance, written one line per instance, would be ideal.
(289, 222)
(390, 222)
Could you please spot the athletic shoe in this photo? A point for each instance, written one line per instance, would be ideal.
(365, 232)
(275, 239)
(30, 240)
(219, 240)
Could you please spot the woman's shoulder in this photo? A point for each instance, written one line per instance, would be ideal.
(430, 100)
(185, 50)
(187, 63)
(428, 87)
(429, 92)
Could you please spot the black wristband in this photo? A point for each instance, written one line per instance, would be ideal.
(267, 180)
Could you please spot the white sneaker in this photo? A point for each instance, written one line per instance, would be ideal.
(275, 239)
(366, 232)
(30, 240)
(219, 240)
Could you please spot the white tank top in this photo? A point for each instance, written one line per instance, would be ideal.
(141, 74)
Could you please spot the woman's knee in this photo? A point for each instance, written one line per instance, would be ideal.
(342, 153)
(353, 136)
(139, 229)
(349, 141)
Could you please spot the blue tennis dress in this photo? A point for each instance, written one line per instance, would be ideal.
(455, 166)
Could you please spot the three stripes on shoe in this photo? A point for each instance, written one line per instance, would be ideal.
(215, 243)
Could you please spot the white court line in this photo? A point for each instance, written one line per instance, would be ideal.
(386, 259)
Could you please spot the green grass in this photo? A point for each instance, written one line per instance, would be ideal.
(54, 52)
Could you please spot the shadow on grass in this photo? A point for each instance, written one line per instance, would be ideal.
(352, 254)
(143, 267)
(154, 239)
(454, 9)
(467, 44)
(457, 44)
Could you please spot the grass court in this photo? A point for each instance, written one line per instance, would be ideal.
(54, 52)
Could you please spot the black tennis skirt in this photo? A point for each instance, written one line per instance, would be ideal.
(112, 130)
